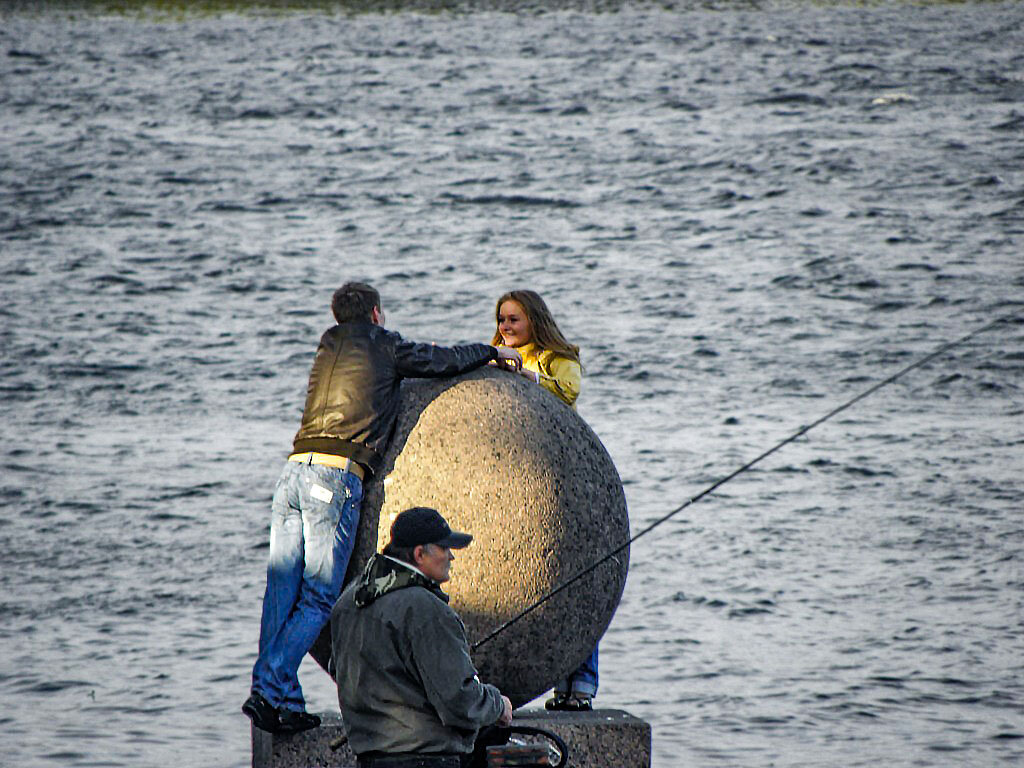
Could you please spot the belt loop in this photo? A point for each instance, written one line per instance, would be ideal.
(348, 466)
(309, 462)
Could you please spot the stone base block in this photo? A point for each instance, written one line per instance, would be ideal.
(604, 738)
(310, 749)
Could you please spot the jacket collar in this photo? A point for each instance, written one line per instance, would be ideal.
(529, 348)
(384, 574)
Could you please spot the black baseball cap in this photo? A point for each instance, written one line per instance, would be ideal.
(423, 525)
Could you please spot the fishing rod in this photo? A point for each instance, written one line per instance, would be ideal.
(719, 483)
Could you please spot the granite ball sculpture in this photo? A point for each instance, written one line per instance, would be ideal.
(508, 462)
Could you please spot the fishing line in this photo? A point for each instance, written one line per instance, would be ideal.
(719, 483)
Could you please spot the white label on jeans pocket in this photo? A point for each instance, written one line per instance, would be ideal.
(321, 494)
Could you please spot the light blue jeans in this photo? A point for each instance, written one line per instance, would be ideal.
(314, 517)
(583, 680)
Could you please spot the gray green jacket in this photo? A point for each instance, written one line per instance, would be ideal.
(406, 682)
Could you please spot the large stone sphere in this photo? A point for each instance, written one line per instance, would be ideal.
(508, 462)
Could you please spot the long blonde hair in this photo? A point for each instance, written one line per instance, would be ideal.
(546, 333)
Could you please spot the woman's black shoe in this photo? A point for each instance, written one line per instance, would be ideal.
(579, 702)
(566, 702)
(557, 702)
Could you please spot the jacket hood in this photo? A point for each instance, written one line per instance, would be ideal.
(383, 575)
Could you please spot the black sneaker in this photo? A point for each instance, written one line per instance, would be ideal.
(292, 721)
(261, 712)
(579, 702)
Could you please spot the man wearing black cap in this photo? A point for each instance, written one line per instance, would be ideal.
(407, 688)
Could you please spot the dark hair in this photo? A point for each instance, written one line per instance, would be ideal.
(405, 554)
(354, 301)
(546, 333)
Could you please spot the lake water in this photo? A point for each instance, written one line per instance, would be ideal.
(743, 216)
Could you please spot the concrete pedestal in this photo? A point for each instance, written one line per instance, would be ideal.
(604, 738)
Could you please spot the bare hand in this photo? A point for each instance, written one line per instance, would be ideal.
(506, 715)
(510, 359)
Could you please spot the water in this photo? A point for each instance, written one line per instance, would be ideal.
(744, 217)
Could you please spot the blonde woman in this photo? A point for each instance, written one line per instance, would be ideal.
(524, 322)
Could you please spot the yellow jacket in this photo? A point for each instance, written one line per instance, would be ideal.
(559, 375)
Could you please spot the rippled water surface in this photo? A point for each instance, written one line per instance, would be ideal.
(743, 217)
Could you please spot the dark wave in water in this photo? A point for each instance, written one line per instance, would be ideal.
(176, 9)
(744, 217)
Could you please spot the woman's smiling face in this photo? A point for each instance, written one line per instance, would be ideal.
(513, 324)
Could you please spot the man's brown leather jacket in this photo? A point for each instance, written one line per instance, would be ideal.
(352, 399)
